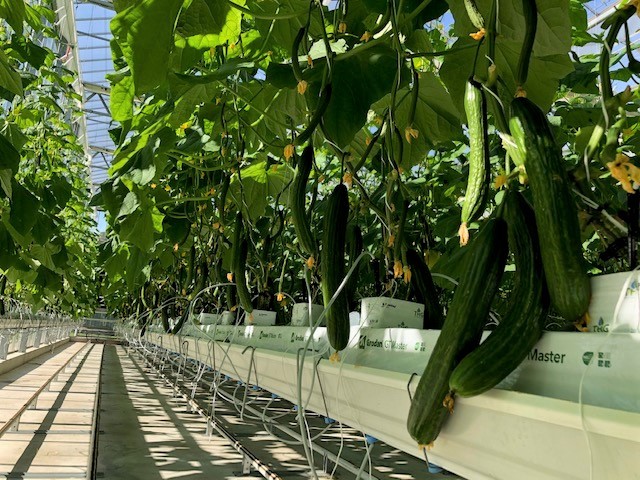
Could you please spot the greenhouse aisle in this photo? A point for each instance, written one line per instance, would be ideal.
(146, 434)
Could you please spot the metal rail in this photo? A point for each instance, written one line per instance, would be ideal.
(92, 463)
(14, 422)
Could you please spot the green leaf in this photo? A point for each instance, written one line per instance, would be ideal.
(144, 32)
(9, 78)
(139, 228)
(358, 82)
(121, 97)
(129, 205)
(260, 182)
(7, 248)
(136, 272)
(24, 206)
(208, 23)
(14, 12)
(9, 156)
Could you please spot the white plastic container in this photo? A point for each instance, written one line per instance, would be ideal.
(607, 290)
(209, 318)
(382, 312)
(260, 317)
(227, 318)
(300, 314)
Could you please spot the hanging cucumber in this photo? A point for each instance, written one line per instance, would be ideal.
(203, 275)
(239, 265)
(3, 286)
(332, 266)
(530, 11)
(474, 14)
(425, 290)
(475, 106)
(521, 326)
(555, 213)
(298, 197)
(191, 266)
(462, 330)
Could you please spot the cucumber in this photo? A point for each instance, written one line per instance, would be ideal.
(475, 106)
(164, 317)
(555, 212)
(191, 266)
(462, 330)
(239, 265)
(530, 11)
(298, 190)
(425, 290)
(474, 14)
(524, 320)
(332, 262)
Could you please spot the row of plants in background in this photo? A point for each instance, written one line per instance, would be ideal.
(48, 244)
(267, 146)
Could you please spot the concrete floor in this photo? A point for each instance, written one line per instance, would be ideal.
(53, 439)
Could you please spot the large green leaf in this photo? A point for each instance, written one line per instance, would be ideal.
(121, 96)
(144, 32)
(140, 226)
(24, 206)
(358, 81)
(14, 12)
(208, 23)
(259, 183)
(138, 268)
(9, 78)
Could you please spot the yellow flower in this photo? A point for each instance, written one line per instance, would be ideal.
(175, 247)
(279, 296)
(153, 185)
(410, 133)
(167, 188)
(288, 151)
(366, 36)
(311, 262)
(407, 274)
(625, 172)
(335, 357)
(309, 61)
(230, 277)
(347, 178)
(342, 27)
(391, 240)
(397, 269)
(501, 181)
(302, 86)
(464, 234)
(479, 35)
(216, 225)
(184, 126)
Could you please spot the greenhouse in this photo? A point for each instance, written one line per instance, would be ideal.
(320, 239)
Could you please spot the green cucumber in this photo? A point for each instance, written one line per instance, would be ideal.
(462, 330)
(239, 265)
(332, 262)
(555, 212)
(530, 11)
(425, 290)
(474, 14)
(298, 197)
(475, 106)
(522, 324)
(164, 317)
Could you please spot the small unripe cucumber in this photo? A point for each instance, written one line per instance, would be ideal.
(298, 190)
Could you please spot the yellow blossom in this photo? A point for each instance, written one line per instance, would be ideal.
(625, 172)
(218, 100)
(501, 181)
(406, 270)
(175, 247)
(153, 185)
(310, 61)
(230, 277)
(335, 357)
(464, 234)
(167, 188)
(184, 126)
(288, 151)
(397, 269)
(391, 240)
(342, 27)
(366, 36)
(216, 225)
(311, 262)
(279, 296)
(302, 86)
(234, 308)
(479, 35)
(347, 178)
(410, 133)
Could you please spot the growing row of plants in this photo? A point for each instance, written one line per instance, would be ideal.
(266, 146)
(48, 244)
